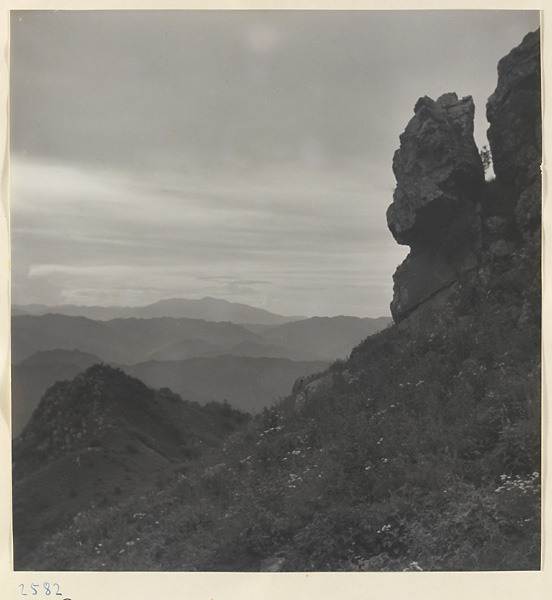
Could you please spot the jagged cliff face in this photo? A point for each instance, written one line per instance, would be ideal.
(515, 132)
(442, 207)
(514, 114)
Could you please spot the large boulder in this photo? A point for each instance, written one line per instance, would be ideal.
(438, 170)
(440, 178)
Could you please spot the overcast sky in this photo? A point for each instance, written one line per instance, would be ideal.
(242, 155)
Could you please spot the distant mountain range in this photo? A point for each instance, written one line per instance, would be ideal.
(122, 341)
(324, 338)
(208, 309)
(248, 365)
(248, 384)
(129, 341)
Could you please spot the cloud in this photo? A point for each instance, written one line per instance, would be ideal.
(196, 88)
(202, 152)
(90, 230)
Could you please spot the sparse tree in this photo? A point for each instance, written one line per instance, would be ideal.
(486, 157)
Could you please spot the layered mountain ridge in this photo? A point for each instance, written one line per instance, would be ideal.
(208, 309)
(54, 347)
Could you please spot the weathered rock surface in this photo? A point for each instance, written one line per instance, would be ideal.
(440, 178)
(424, 275)
(438, 170)
(515, 133)
(528, 210)
(514, 115)
(442, 207)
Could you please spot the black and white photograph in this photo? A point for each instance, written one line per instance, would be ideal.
(276, 293)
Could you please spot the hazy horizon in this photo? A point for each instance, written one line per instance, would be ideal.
(131, 306)
(243, 155)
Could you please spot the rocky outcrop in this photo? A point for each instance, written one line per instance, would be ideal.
(514, 115)
(515, 132)
(442, 207)
(438, 171)
(311, 385)
(440, 178)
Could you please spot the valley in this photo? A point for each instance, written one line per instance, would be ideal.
(250, 366)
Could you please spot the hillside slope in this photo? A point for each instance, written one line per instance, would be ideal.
(99, 439)
(419, 452)
(34, 375)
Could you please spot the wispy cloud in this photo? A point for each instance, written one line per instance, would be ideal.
(240, 154)
(244, 240)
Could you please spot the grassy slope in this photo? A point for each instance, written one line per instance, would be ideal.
(421, 452)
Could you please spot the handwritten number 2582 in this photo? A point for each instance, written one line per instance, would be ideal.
(35, 587)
